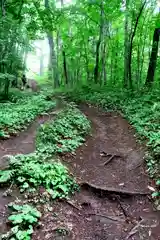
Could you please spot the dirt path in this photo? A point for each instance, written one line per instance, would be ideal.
(101, 210)
(24, 143)
(112, 203)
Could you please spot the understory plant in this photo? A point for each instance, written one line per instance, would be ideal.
(16, 115)
(63, 134)
(29, 172)
(32, 171)
(22, 220)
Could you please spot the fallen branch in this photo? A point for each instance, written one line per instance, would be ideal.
(110, 159)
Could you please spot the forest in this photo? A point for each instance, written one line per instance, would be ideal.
(80, 135)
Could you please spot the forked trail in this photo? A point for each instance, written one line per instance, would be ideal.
(113, 202)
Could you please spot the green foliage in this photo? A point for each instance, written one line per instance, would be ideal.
(22, 220)
(63, 134)
(39, 169)
(5, 176)
(30, 172)
(142, 109)
(16, 116)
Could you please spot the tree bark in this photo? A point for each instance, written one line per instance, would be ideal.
(126, 45)
(96, 69)
(153, 58)
(65, 67)
(3, 8)
(53, 72)
(131, 46)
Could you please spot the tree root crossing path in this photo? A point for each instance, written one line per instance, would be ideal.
(114, 200)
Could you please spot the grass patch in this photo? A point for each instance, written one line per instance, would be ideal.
(141, 109)
(16, 115)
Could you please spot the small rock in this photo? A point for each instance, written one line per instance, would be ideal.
(151, 188)
(121, 184)
(5, 161)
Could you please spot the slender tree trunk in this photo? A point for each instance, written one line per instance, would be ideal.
(3, 8)
(126, 44)
(131, 46)
(65, 67)
(87, 61)
(41, 67)
(104, 65)
(142, 57)
(153, 58)
(96, 69)
(53, 73)
(138, 64)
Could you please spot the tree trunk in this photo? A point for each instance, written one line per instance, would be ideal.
(41, 66)
(104, 65)
(126, 45)
(131, 46)
(153, 58)
(96, 69)
(65, 67)
(53, 73)
(3, 8)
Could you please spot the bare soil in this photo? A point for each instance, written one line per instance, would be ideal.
(113, 202)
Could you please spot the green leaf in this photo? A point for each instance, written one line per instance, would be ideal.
(155, 194)
(5, 176)
(158, 182)
(21, 179)
(15, 207)
(25, 185)
(15, 229)
(15, 219)
(30, 230)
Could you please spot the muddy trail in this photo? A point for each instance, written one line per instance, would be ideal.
(23, 143)
(113, 202)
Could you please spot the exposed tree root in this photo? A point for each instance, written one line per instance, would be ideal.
(105, 191)
(111, 218)
(122, 208)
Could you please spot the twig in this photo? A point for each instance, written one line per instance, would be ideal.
(72, 204)
(115, 219)
(133, 231)
(110, 159)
